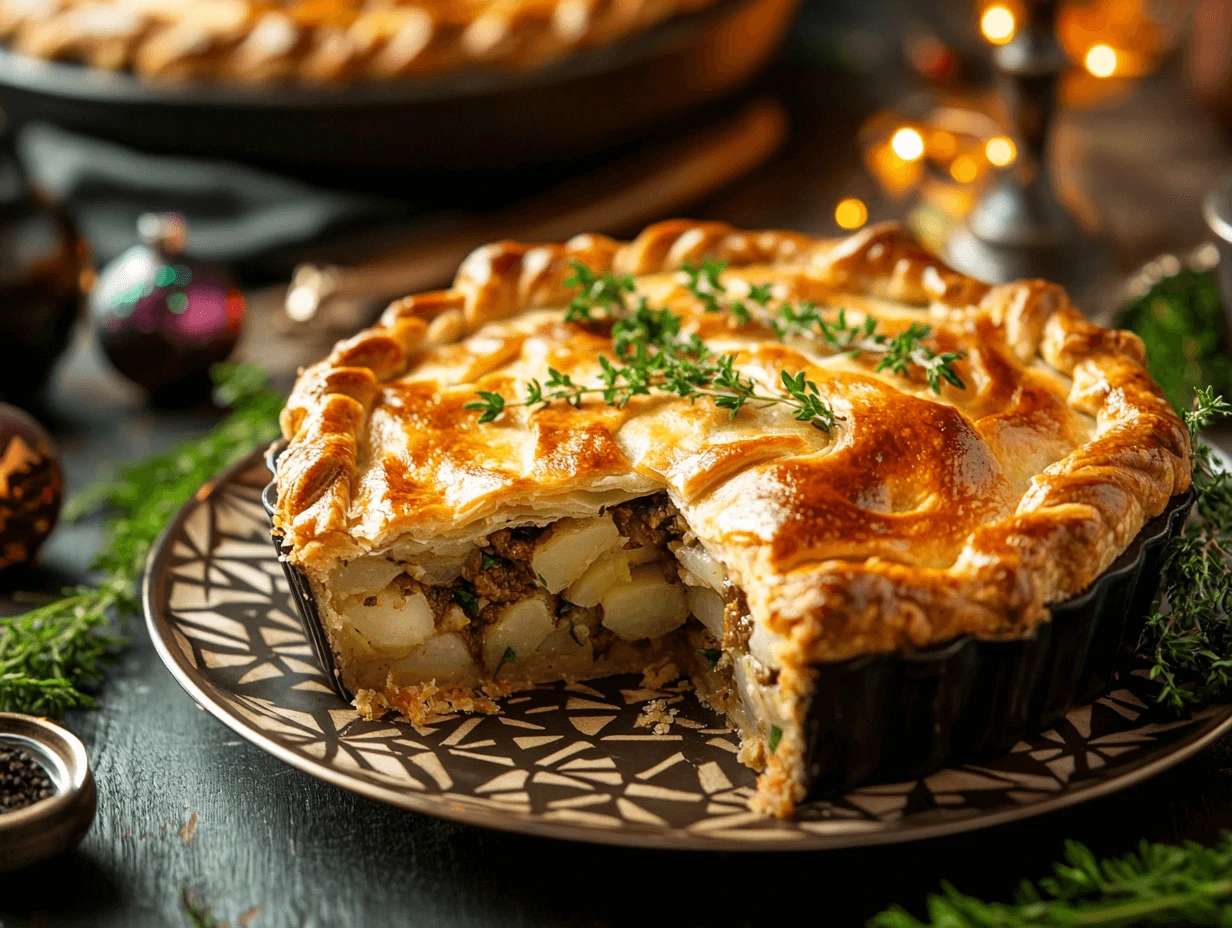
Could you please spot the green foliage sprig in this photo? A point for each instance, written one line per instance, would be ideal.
(602, 292)
(653, 357)
(1181, 321)
(899, 352)
(1161, 884)
(48, 654)
(197, 914)
(1188, 636)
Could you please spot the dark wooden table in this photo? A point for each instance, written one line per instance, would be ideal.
(184, 803)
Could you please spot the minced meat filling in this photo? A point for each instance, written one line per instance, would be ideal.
(499, 579)
(516, 544)
(651, 521)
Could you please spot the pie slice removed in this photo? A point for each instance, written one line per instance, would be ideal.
(731, 455)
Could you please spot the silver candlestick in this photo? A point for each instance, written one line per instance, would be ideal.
(1018, 228)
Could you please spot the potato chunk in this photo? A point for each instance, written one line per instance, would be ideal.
(611, 568)
(645, 607)
(699, 562)
(572, 547)
(364, 575)
(443, 657)
(708, 607)
(393, 624)
(521, 627)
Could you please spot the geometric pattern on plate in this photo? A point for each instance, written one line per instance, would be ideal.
(571, 760)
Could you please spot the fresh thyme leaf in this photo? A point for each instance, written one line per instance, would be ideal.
(490, 404)
(196, 912)
(776, 735)
(646, 327)
(907, 348)
(542, 582)
(1161, 884)
(509, 655)
(467, 600)
(1188, 636)
(704, 283)
(761, 293)
(899, 353)
(50, 652)
(604, 292)
(573, 631)
(488, 561)
(711, 656)
(810, 407)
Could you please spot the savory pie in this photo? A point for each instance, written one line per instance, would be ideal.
(732, 455)
(319, 41)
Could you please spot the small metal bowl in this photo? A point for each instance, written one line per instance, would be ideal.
(55, 824)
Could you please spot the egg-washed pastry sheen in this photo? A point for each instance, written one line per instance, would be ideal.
(461, 548)
(319, 41)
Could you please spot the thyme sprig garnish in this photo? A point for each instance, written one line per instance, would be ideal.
(1188, 636)
(1161, 884)
(805, 319)
(604, 292)
(898, 352)
(50, 652)
(705, 283)
(685, 368)
(605, 296)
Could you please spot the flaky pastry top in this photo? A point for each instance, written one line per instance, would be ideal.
(916, 518)
(319, 41)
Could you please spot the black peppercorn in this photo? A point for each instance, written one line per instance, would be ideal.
(23, 780)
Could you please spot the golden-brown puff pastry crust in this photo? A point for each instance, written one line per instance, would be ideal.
(917, 518)
(319, 41)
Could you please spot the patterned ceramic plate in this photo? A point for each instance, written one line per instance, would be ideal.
(579, 761)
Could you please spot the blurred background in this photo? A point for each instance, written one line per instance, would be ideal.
(189, 182)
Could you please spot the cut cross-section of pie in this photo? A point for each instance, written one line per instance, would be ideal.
(736, 456)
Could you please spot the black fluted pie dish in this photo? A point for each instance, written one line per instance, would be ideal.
(890, 717)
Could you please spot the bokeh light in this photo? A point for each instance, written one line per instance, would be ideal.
(998, 24)
(964, 169)
(908, 144)
(1101, 60)
(850, 213)
(1000, 151)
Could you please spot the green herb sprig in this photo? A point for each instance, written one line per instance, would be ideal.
(653, 357)
(1181, 321)
(1188, 636)
(667, 371)
(48, 654)
(603, 292)
(806, 319)
(1161, 884)
(899, 352)
(196, 912)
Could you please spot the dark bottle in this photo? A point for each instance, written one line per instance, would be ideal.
(41, 262)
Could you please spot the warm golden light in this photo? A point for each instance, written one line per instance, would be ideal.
(942, 145)
(907, 144)
(964, 169)
(998, 24)
(1000, 151)
(850, 213)
(1101, 60)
